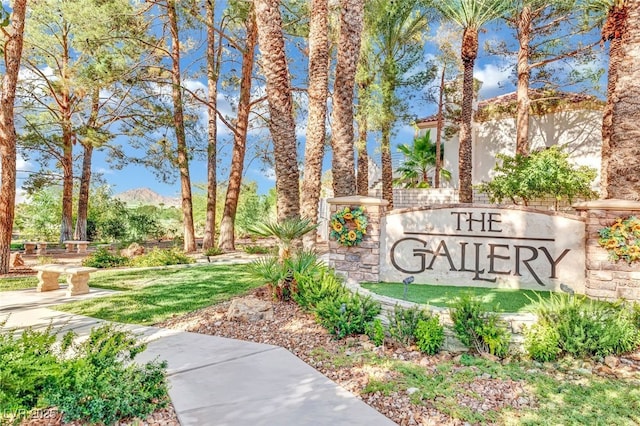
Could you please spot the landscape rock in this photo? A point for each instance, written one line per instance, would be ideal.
(250, 309)
(611, 361)
(15, 260)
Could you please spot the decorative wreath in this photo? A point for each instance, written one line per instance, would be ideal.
(348, 226)
(622, 239)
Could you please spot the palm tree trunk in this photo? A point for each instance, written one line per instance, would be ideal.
(439, 125)
(351, 25)
(385, 144)
(13, 54)
(227, 238)
(621, 173)
(212, 84)
(178, 120)
(281, 122)
(316, 124)
(465, 152)
(522, 93)
(363, 157)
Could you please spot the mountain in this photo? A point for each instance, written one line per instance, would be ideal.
(146, 196)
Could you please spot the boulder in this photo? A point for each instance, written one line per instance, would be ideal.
(15, 260)
(134, 249)
(250, 309)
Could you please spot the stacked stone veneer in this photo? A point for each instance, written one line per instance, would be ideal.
(361, 262)
(606, 279)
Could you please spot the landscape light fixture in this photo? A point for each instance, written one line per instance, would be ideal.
(406, 283)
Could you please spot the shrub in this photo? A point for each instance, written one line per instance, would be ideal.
(589, 327)
(346, 315)
(213, 251)
(403, 323)
(257, 250)
(282, 275)
(546, 173)
(429, 335)
(103, 258)
(375, 331)
(542, 342)
(313, 288)
(159, 257)
(479, 329)
(94, 381)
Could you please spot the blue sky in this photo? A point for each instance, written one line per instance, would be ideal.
(494, 72)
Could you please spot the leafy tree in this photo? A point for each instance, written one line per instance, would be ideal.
(397, 30)
(545, 173)
(12, 42)
(39, 218)
(419, 162)
(470, 16)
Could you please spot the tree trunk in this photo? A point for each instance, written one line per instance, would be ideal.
(522, 93)
(13, 55)
(385, 145)
(351, 25)
(66, 230)
(178, 120)
(212, 84)
(281, 122)
(316, 123)
(80, 232)
(363, 129)
(465, 153)
(436, 178)
(227, 238)
(623, 165)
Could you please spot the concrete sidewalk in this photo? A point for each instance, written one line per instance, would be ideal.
(214, 380)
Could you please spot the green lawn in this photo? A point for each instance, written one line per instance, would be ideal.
(498, 300)
(153, 295)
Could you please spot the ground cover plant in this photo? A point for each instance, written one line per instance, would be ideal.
(91, 381)
(498, 299)
(152, 295)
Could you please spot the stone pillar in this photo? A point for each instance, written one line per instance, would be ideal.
(606, 279)
(361, 262)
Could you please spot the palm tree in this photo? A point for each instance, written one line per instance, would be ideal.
(620, 159)
(419, 162)
(470, 15)
(343, 165)
(397, 30)
(281, 122)
(316, 128)
(12, 53)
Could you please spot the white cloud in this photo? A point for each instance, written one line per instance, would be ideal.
(270, 174)
(492, 77)
(104, 171)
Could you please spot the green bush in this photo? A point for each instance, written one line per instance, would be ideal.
(313, 288)
(429, 335)
(94, 381)
(542, 342)
(346, 315)
(545, 173)
(213, 251)
(479, 329)
(375, 331)
(103, 258)
(403, 323)
(160, 257)
(589, 327)
(257, 250)
(17, 246)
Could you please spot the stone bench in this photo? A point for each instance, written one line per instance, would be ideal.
(30, 247)
(77, 278)
(80, 246)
